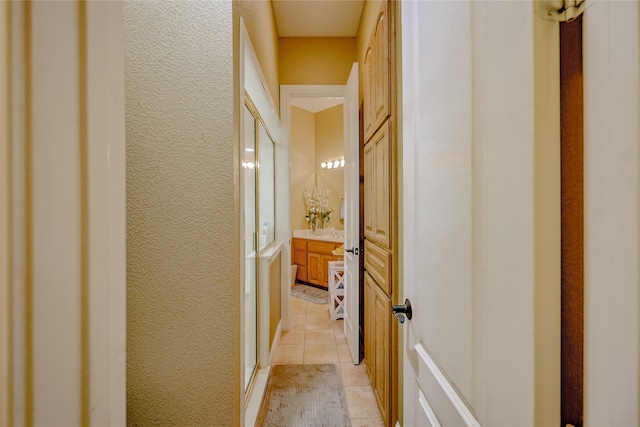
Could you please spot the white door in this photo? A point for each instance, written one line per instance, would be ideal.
(352, 215)
(474, 352)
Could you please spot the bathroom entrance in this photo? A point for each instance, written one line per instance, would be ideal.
(321, 123)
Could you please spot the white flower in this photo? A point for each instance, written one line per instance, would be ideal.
(317, 206)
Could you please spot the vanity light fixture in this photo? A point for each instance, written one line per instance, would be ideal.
(332, 164)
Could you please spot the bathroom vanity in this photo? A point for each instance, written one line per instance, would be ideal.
(311, 252)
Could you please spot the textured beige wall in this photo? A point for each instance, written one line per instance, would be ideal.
(330, 146)
(315, 138)
(183, 349)
(260, 21)
(303, 160)
(316, 60)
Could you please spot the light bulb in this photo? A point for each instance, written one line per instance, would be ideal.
(342, 163)
(323, 165)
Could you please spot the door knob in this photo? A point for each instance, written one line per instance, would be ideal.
(352, 250)
(402, 310)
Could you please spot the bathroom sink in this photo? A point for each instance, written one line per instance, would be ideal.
(324, 235)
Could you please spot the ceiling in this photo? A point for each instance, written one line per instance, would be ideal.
(317, 18)
(315, 105)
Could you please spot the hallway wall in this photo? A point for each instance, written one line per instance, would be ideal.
(330, 146)
(316, 60)
(183, 349)
(303, 160)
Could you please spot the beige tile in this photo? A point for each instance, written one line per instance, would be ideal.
(292, 337)
(340, 338)
(319, 338)
(318, 324)
(298, 322)
(298, 326)
(344, 354)
(319, 314)
(320, 353)
(289, 354)
(300, 313)
(354, 374)
(363, 422)
(361, 402)
(298, 303)
(318, 308)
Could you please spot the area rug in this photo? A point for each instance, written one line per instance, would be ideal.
(309, 293)
(304, 396)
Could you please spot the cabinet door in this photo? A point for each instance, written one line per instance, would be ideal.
(369, 195)
(376, 65)
(377, 187)
(380, 87)
(382, 343)
(314, 268)
(382, 186)
(368, 91)
(299, 257)
(369, 326)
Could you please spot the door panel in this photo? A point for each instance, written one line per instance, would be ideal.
(313, 269)
(473, 244)
(352, 217)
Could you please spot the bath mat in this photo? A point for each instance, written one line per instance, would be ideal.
(304, 396)
(309, 293)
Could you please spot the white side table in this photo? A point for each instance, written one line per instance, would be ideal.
(336, 289)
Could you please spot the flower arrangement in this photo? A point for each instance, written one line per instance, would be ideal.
(318, 210)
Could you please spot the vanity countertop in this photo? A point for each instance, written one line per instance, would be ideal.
(324, 235)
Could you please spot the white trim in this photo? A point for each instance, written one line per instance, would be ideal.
(241, 246)
(253, 407)
(427, 409)
(458, 402)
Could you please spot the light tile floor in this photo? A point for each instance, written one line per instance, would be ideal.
(315, 338)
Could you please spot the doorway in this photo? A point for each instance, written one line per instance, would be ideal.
(312, 97)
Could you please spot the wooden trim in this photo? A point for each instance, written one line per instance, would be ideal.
(572, 222)
(28, 215)
(83, 148)
(394, 242)
(6, 180)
